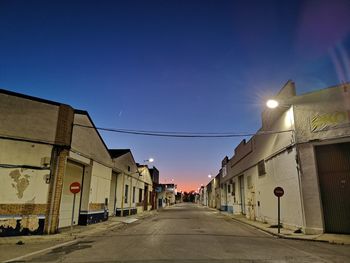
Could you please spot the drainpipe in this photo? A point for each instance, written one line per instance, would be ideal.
(130, 195)
(123, 196)
(115, 194)
(298, 167)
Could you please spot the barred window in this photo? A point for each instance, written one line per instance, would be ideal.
(261, 168)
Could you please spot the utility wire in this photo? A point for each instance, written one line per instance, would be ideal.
(181, 134)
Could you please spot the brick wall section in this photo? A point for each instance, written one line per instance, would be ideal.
(22, 209)
(54, 199)
(58, 166)
(64, 125)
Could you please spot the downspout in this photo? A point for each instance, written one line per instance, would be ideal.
(123, 196)
(298, 167)
(115, 194)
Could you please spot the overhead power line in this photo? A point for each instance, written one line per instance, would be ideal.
(176, 134)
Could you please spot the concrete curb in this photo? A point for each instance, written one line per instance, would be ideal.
(276, 234)
(305, 238)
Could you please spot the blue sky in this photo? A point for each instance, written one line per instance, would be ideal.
(197, 66)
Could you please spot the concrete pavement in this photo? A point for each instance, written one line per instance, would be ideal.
(191, 233)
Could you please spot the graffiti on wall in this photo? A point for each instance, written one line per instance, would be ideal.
(326, 121)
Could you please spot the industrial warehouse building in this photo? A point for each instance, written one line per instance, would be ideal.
(303, 146)
(45, 147)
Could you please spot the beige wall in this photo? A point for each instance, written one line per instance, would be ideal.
(100, 183)
(24, 118)
(87, 142)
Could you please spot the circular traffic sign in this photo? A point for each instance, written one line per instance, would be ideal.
(74, 187)
(278, 191)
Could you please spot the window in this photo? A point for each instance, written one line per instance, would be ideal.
(229, 188)
(224, 171)
(233, 189)
(261, 168)
(133, 194)
(140, 195)
(129, 169)
(126, 194)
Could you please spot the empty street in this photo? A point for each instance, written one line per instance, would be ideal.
(191, 233)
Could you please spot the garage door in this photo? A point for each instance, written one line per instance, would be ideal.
(74, 173)
(333, 163)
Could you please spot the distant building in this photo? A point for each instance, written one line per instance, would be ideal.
(167, 195)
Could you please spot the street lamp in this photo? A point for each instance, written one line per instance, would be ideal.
(150, 160)
(272, 103)
(209, 175)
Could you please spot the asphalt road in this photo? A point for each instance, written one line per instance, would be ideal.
(191, 233)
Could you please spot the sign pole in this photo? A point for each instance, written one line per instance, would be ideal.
(279, 215)
(74, 189)
(72, 221)
(279, 192)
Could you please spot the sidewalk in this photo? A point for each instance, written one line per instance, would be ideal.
(22, 245)
(289, 234)
(67, 234)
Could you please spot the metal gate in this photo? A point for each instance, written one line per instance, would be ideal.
(333, 163)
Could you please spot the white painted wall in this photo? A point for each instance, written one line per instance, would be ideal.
(281, 170)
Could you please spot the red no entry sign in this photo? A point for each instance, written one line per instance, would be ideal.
(278, 191)
(74, 187)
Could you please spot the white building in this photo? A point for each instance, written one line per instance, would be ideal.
(304, 147)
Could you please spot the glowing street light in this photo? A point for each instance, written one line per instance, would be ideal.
(272, 104)
(150, 160)
(209, 175)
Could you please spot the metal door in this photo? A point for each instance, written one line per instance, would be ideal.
(74, 173)
(333, 164)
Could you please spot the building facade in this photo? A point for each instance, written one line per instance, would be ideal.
(303, 146)
(45, 147)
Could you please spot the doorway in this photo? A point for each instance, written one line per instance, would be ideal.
(333, 164)
(74, 173)
(145, 199)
